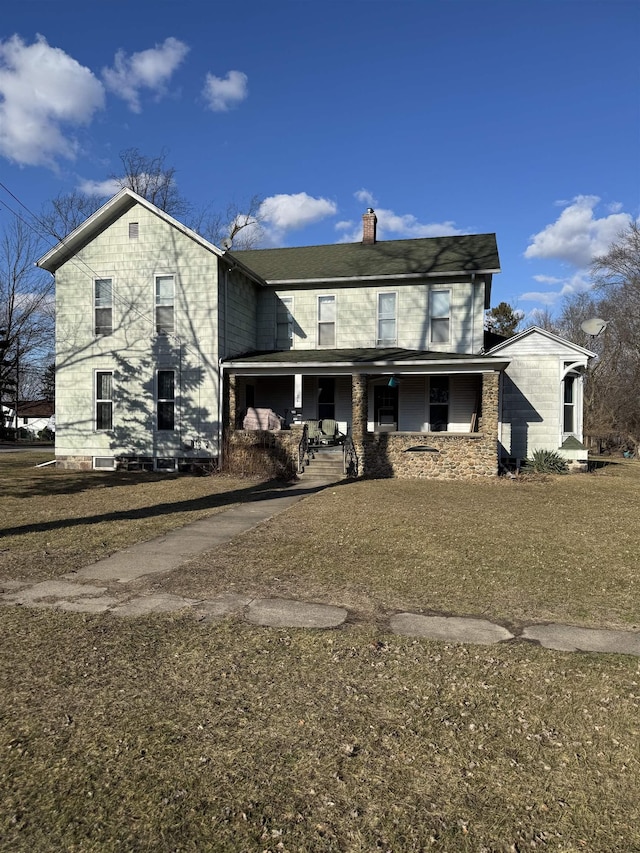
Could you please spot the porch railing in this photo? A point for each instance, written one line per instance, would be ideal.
(349, 458)
(303, 449)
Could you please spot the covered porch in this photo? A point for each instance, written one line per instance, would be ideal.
(398, 413)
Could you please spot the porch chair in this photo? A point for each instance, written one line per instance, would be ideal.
(330, 432)
(314, 433)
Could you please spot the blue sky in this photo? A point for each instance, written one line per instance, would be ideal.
(446, 116)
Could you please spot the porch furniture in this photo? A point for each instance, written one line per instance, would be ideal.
(330, 432)
(262, 419)
(314, 433)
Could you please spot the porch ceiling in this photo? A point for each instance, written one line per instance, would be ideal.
(363, 360)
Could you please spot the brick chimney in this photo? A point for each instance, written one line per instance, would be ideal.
(369, 220)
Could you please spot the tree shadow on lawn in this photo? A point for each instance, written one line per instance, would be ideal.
(260, 492)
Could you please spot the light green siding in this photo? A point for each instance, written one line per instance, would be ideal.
(133, 351)
(357, 315)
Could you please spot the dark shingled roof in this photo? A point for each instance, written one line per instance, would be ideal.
(470, 253)
(346, 356)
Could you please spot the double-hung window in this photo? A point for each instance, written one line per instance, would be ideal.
(164, 304)
(166, 400)
(440, 316)
(104, 399)
(569, 404)
(103, 306)
(386, 320)
(284, 322)
(326, 321)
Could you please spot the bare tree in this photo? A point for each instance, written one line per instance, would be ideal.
(26, 309)
(241, 224)
(67, 211)
(153, 179)
(612, 402)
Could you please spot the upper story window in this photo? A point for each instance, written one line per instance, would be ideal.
(284, 322)
(103, 306)
(104, 399)
(166, 399)
(326, 321)
(164, 304)
(440, 316)
(386, 320)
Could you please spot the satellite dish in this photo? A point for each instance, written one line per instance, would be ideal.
(227, 243)
(594, 326)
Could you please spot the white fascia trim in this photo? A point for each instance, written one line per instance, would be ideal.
(118, 205)
(277, 282)
(341, 367)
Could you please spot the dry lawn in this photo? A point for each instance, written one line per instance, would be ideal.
(160, 734)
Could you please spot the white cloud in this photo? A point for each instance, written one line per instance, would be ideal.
(392, 225)
(43, 92)
(365, 197)
(222, 93)
(281, 213)
(547, 279)
(100, 188)
(549, 298)
(577, 236)
(148, 69)
(577, 283)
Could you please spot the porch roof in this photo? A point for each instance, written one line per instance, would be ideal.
(362, 360)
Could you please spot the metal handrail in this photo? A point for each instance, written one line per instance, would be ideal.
(349, 458)
(303, 449)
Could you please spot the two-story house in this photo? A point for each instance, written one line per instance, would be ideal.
(164, 342)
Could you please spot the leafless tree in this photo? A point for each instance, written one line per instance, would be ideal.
(612, 401)
(242, 224)
(66, 211)
(26, 308)
(153, 179)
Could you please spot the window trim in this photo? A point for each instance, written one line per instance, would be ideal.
(158, 304)
(97, 401)
(100, 307)
(380, 341)
(570, 381)
(165, 400)
(324, 323)
(285, 303)
(433, 316)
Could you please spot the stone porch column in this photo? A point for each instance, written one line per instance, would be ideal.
(491, 415)
(230, 404)
(359, 408)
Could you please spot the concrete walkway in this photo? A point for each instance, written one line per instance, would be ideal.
(84, 591)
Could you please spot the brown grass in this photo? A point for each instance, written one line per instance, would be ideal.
(161, 734)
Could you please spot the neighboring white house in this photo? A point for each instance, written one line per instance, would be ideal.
(33, 415)
(163, 341)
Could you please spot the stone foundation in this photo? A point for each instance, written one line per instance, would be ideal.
(74, 463)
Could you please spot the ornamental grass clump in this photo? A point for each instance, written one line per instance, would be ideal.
(547, 462)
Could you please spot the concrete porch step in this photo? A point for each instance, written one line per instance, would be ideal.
(325, 462)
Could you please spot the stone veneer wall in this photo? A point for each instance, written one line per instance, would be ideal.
(263, 453)
(446, 456)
